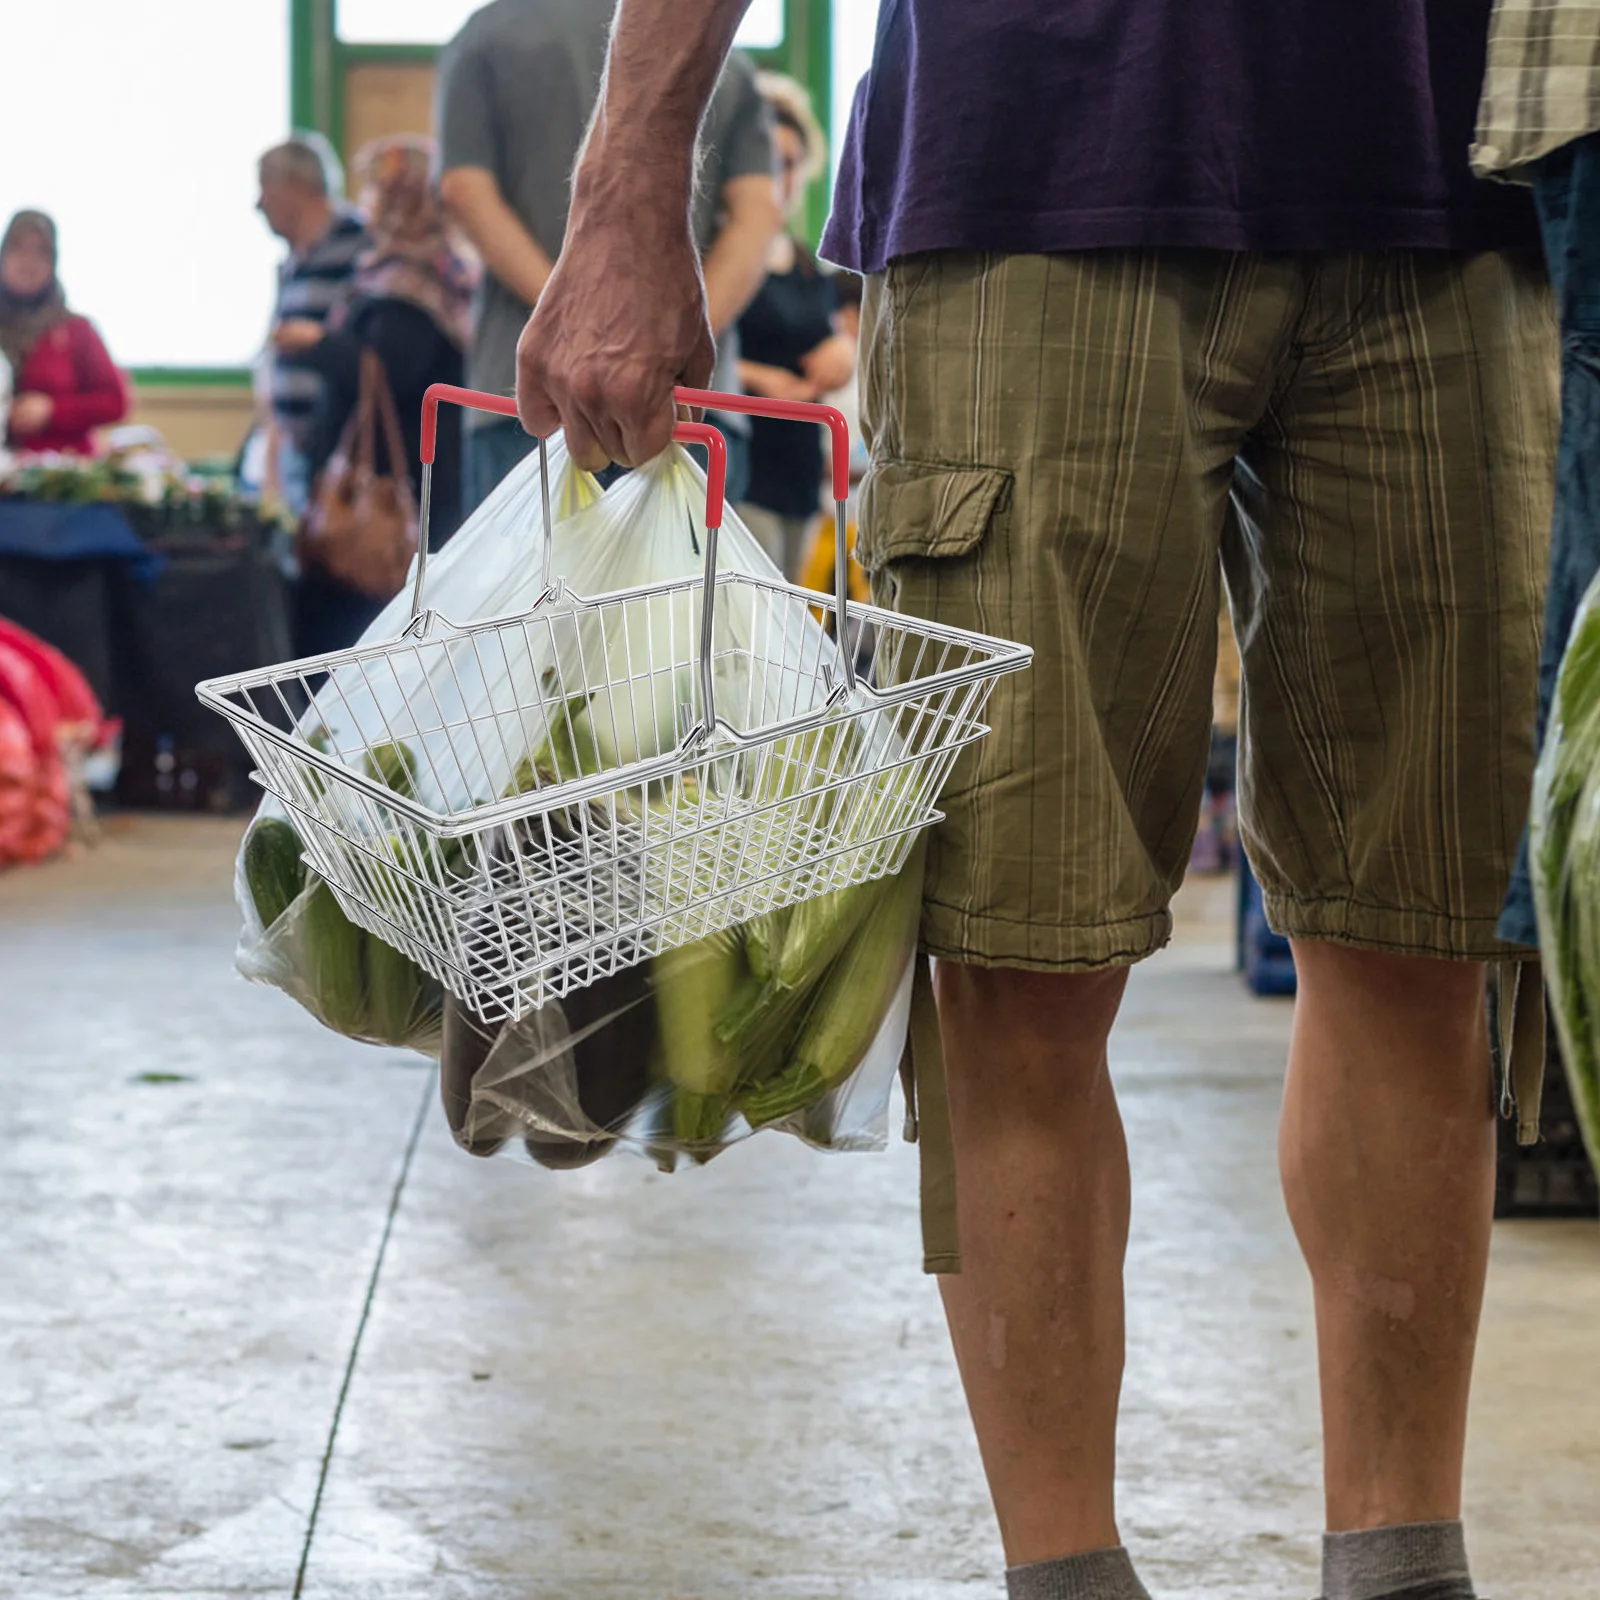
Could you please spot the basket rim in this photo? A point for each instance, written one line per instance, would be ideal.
(1005, 656)
(575, 950)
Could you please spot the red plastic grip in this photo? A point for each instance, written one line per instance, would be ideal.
(716, 464)
(684, 432)
(505, 405)
(787, 410)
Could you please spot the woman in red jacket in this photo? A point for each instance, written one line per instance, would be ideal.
(63, 381)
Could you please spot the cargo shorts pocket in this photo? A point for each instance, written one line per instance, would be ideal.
(927, 510)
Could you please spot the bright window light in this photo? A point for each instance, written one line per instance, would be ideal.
(137, 127)
(855, 24)
(436, 22)
(762, 28)
(402, 21)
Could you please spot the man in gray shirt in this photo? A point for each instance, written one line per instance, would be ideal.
(517, 86)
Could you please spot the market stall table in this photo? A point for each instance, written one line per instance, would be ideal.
(146, 619)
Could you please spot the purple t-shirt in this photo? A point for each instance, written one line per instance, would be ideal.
(1026, 125)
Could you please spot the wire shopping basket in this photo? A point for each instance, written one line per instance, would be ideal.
(525, 804)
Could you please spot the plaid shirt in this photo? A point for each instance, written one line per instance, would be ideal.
(1542, 88)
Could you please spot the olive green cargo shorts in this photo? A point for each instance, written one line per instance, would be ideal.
(1071, 450)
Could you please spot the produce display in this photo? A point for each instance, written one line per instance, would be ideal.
(158, 492)
(1565, 842)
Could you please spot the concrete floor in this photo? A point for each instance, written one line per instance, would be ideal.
(609, 1385)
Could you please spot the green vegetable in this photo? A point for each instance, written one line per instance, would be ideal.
(763, 942)
(273, 868)
(821, 927)
(569, 751)
(849, 1009)
(394, 766)
(320, 740)
(336, 962)
(403, 1002)
(1566, 862)
(572, 751)
(692, 985)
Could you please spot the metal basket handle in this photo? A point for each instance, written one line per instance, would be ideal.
(716, 483)
(831, 418)
(506, 406)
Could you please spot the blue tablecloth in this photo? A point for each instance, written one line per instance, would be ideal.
(47, 532)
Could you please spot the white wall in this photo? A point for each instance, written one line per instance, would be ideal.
(136, 124)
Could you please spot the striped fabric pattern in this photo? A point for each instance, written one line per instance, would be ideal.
(308, 286)
(1542, 86)
(1067, 450)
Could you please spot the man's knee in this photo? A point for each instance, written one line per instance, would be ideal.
(1448, 994)
(1037, 1038)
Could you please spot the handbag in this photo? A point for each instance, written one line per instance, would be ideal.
(362, 525)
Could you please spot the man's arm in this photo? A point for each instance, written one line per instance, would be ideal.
(472, 197)
(623, 317)
(737, 260)
(468, 154)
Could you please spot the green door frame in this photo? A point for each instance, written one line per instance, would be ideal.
(319, 60)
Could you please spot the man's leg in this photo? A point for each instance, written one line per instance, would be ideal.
(1043, 470)
(1036, 1312)
(1402, 474)
(1387, 1152)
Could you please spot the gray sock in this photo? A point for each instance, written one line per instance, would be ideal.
(1417, 1560)
(1095, 1575)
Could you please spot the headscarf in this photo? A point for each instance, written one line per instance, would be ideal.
(413, 256)
(26, 319)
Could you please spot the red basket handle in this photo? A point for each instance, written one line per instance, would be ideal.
(790, 411)
(716, 490)
(473, 399)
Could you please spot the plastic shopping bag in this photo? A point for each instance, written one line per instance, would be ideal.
(1564, 843)
(294, 936)
(795, 1020)
(696, 1049)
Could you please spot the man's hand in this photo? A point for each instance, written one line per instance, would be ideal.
(775, 383)
(295, 335)
(31, 413)
(830, 365)
(622, 319)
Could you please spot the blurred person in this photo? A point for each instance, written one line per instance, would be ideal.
(1119, 334)
(409, 300)
(517, 86)
(794, 344)
(301, 189)
(63, 382)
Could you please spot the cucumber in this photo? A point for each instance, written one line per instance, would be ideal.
(394, 766)
(397, 1011)
(273, 868)
(335, 963)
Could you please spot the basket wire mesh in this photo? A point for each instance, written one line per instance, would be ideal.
(597, 780)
